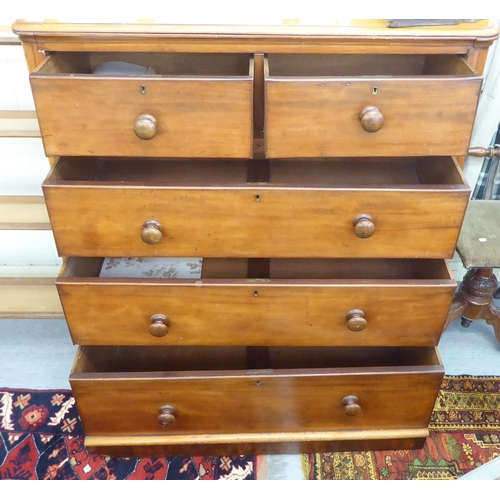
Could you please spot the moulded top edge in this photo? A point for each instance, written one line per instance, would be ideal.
(353, 28)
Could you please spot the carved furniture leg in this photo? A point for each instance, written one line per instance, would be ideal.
(492, 317)
(475, 300)
(456, 309)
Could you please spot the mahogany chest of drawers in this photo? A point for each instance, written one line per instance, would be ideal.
(315, 170)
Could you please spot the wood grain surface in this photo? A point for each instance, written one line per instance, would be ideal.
(307, 210)
(360, 34)
(407, 308)
(91, 115)
(309, 115)
(281, 399)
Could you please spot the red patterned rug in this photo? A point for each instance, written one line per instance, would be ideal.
(464, 434)
(41, 437)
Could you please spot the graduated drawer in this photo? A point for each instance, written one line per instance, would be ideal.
(300, 302)
(206, 395)
(299, 208)
(198, 105)
(368, 105)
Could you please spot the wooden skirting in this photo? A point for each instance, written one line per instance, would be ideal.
(7, 37)
(19, 123)
(27, 297)
(23, 212)
(23, 298)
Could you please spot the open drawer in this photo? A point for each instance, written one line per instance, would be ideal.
(259, 302)
(368, 105)
(196, 105)
(399, 207)
(166, 396)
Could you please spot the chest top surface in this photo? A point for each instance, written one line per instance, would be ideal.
(269, 35)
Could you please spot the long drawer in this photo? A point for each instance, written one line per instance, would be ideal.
(368, 105)
(208, 395)
(196, 105)
(406, 207)
(298, 302)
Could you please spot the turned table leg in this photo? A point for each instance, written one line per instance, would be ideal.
(456, 309)
(475, 300)
(492, 317)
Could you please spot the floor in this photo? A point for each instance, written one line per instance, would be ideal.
(38, 354)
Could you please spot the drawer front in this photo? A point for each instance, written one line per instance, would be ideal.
(91, 116)
(255, 222)
(256, 401)
(253, 312)
(322, 117)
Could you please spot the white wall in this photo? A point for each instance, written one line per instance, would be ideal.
(488, 112)
(23, 166)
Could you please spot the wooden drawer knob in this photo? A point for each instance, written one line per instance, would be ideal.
(167, 416)
(364, 226)
(371, 119)
(152, 232)
(351, 406)
(159, 325)
(145, 127)
(356, 321)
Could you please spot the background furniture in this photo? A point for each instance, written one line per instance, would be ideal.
(479, 249)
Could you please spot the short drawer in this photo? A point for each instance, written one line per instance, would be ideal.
(196, 105)
(259, 302)
(406, 207)
(368, 105)
(205, 394)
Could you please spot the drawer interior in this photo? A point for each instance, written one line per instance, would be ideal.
(217, 360)
(338, 65)
(84, 268)
(162, 64)
(331, 173)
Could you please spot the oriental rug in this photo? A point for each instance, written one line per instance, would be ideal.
(464, 434)
(41, 437)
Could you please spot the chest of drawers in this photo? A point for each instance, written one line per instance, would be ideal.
(315, 170)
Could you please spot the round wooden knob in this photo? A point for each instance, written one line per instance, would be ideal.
(159, 325)
(152, 232)
(364, 226)
(351, 406)
(167, 416)
(371, 119)
(145, 127)
(356, 321)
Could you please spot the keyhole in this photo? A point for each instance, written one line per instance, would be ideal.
(375, 90)
(257, 197)
(256, 293)
(143, 89)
